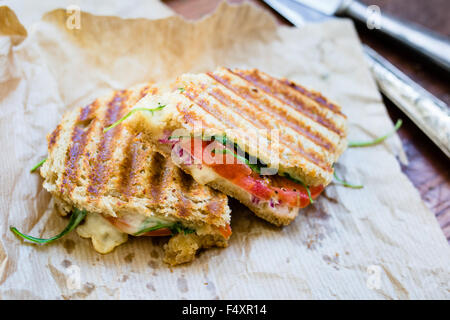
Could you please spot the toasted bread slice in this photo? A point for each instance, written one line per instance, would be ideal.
(297, 133)
(125, 185)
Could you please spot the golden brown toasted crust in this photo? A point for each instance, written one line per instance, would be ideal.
(117, 172)
(182, 248)
(312, 130)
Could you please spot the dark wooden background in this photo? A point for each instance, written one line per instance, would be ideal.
(428, 168)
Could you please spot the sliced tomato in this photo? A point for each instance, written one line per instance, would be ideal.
(124, 226)
(232, 172)
(265, 188)
(292, 198)
(121, 224)
(316, 191)
(158, 233)
(293, 193)
(225, 231)
(256, 186)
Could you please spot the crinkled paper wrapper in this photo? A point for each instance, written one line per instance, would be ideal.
(379, 242)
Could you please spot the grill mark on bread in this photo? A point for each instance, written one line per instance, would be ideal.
(128, 184)
(188, 116)
(87, 113)
(225, 99)
(310, 155)
(101, 171)
(215, 207)
(278, 90)
(144, 91)
(205, 106)
(282, 115)
(147, 90)
(54, 137)
(132, 164)
(261, 124)
(314, 96)
(183, 205)
(187, 183)
(158, 174)
(78, 143)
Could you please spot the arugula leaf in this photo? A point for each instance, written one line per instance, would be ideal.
(75, 219)
(40, 163)
(354, 144)
(178, 228)
(222, 139)
(159, 225)
(287, 175)
(345, 183)
(252, 166)
(115, 124)
(256, 167)
(174, 228)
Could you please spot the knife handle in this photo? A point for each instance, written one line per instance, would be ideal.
(433, 46)
(430, 114)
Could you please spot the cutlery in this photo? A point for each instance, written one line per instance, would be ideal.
(429, 113)
(432, 46)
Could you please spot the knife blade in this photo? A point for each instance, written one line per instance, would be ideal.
(429, 113)
(328, 7)
(432, 46)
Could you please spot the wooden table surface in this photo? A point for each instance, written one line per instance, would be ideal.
(428, 168)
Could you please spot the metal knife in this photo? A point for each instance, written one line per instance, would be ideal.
(429, 113)
(432, 46)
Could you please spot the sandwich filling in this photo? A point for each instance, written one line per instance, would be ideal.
(113, 184)
(276, 190)
(141, 225)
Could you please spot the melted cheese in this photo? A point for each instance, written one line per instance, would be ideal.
(105, 237)
(202, 175)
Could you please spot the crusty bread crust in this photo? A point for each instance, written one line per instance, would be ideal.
(182, 248)
(312, 129)
(118, 172)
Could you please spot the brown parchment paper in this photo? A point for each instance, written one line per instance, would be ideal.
(31, 11)
(379, 242)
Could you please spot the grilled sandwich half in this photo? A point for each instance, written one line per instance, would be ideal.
(277, 140)
(126, 187)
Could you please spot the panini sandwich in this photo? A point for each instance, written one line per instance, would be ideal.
(126, 187)
(273, 142)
